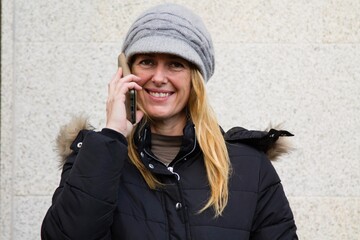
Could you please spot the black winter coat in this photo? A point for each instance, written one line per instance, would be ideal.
(103, 196)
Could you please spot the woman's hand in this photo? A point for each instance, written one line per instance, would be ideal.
(115, 105)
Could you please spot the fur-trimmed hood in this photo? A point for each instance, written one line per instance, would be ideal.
(67, 135)
(272, 142)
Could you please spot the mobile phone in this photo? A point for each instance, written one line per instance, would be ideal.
(130, 101)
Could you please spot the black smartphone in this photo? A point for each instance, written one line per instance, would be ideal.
(130, 101)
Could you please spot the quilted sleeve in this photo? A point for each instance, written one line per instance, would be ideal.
(273, 217)
(84, 202)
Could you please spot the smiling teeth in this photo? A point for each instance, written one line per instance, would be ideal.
(160, 95)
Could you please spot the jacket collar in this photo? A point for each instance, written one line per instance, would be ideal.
(188, 147)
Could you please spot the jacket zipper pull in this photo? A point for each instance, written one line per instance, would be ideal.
(171, 169)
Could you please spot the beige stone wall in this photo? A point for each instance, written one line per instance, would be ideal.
(295, 62)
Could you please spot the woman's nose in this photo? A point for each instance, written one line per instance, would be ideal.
(159, 76)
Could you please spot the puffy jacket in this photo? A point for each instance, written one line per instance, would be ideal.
(102, 195)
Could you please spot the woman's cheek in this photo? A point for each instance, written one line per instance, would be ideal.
(141, 82)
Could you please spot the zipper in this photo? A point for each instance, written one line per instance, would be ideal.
(192, 150)
(171, 165)
(171, 169)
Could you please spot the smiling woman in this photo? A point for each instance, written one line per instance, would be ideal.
(174, 174)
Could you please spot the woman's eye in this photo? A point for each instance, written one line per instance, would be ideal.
(146, 62)
(176, 65)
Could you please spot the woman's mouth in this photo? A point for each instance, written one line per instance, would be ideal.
(159, 94)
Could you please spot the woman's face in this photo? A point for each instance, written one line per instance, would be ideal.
(166, 83)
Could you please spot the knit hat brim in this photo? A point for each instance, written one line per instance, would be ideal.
(156, 44)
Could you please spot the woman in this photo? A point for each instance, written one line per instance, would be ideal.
(174, 174)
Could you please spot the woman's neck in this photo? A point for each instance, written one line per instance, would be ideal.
(168, 127)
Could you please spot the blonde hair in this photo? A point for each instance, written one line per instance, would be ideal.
(211, 142)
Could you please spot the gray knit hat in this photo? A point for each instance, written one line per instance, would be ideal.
(173, 29)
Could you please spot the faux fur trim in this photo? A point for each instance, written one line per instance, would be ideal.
(281, 147)
(67, 135)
